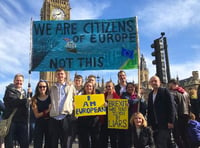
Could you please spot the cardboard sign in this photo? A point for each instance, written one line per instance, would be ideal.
(118, 113)
(89, 105)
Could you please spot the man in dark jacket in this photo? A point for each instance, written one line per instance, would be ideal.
(15, 98)
(160, 112)
(182, 104)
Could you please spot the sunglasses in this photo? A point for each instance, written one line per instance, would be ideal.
(108, 86)
(42, 86)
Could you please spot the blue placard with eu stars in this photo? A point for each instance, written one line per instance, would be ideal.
(84, 44)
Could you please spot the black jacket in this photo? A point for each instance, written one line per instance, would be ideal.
(182, 102)
(145, 138)
(162, 111)
(117, 89)
(143, 104)
(12, 100)
(2, 106)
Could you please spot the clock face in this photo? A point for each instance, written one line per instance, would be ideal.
(58, 14)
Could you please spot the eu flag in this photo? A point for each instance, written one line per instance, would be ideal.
(127, 53)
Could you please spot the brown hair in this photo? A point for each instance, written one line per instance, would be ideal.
(60, 69)
(111, 83)
(91, 76)
(78, 77)
(18, 75)
(121, 71)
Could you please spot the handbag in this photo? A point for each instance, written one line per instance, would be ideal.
(5, 125)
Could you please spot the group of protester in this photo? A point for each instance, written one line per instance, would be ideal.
(163, 120)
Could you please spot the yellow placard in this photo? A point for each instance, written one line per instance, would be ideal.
(89, 105)
(118, 113)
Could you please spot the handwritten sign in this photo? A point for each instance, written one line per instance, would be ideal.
(89, 105)
(118, 113)
(84, 44)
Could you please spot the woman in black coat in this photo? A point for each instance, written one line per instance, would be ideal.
(142, 136)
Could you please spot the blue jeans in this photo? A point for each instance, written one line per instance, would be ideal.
(18, 131)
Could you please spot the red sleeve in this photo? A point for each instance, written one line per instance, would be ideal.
(116, 96)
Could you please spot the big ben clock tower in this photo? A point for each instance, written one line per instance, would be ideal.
(54, 10)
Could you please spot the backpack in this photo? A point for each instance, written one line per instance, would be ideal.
(194, 131)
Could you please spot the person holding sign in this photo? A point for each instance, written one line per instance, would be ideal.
(16, 98)
(132, 97)
(88, 128)
(61, 94)
(142, 135)
(106, 133)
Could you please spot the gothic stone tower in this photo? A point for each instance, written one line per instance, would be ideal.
(144, 72)
(54, 10)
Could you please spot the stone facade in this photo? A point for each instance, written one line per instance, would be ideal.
(192, 82)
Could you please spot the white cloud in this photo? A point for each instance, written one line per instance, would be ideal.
(183, 70)
(196, 47)
(14, 43)
(6, 11)
(16, 5)
(86, 9)
(166, 15)
(2, 88)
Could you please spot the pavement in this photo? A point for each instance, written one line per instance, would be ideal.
(75, 145)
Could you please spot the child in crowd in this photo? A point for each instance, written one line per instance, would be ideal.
(194, 131)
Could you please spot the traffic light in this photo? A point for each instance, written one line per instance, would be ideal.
(159, 61)
(156, 51)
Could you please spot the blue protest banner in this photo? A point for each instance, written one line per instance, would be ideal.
(84, 44)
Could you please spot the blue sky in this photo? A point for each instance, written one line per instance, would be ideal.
(179, 20)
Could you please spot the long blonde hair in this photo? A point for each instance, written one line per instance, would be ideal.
(144, 121)
(93, 89)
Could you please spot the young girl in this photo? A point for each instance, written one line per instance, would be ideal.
(41, 107)
(142, 135)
